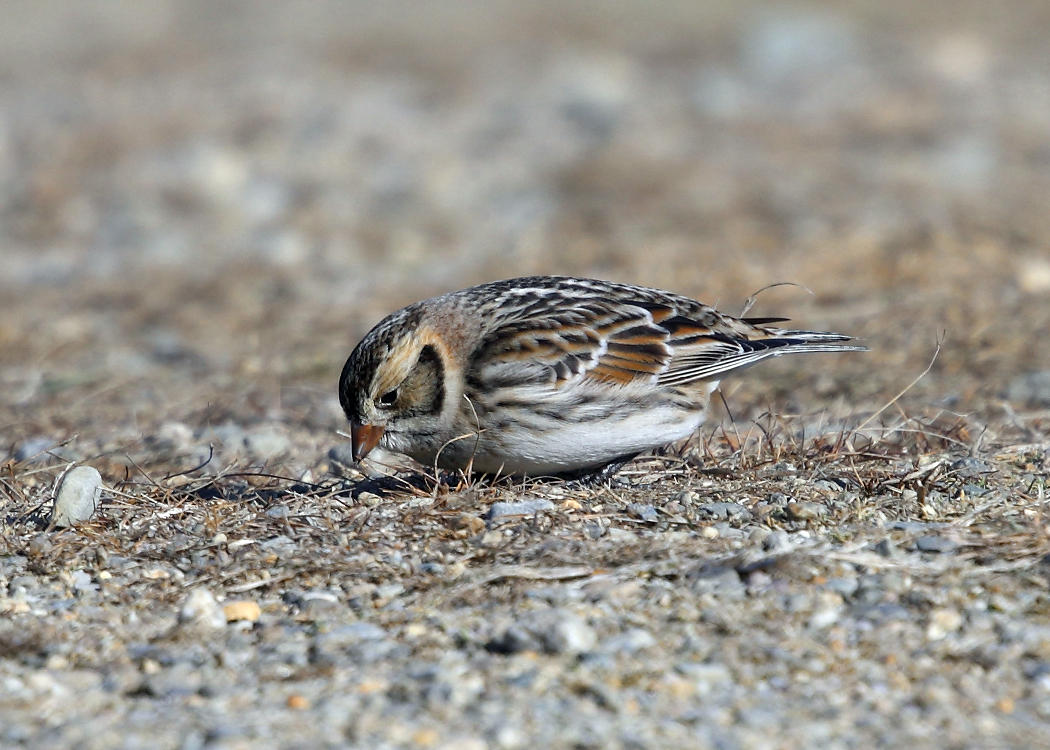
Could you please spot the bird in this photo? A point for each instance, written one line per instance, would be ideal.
(549, 375)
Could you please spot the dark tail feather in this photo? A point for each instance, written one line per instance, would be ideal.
(752, 351)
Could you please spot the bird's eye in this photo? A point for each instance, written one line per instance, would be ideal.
(388, 398)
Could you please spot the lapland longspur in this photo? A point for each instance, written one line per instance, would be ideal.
(549, 375)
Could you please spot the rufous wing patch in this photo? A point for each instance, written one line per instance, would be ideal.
(639, 351)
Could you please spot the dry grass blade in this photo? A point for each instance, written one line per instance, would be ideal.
(860, 428)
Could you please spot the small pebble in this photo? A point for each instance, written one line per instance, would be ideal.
(78, 496)
(369, 499)
(824, 618)
(942, 622)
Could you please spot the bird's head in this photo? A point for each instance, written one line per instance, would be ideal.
(393, 386)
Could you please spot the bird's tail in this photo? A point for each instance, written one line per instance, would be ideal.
(724, 353)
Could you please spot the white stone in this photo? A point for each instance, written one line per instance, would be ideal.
(78, 496)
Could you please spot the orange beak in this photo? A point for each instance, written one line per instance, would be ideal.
(364, 437)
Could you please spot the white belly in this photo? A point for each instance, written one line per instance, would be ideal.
(578, 446)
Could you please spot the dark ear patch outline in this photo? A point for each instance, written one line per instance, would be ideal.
(428, 380)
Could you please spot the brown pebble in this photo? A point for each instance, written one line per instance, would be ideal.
(470, 523)
(241, 609)
(425, 737)
(805, 511)
(39, 546)
(297, 702)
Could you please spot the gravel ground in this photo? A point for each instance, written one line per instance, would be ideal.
(202, 209)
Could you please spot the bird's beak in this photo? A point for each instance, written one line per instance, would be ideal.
(364, 438)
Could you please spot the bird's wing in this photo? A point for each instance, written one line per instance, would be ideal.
(623, 341)
(572, 340)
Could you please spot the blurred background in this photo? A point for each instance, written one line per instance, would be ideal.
(204, 206)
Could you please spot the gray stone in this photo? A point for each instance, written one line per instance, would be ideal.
(267, 442)
(971, 467)
(201, 610)
(777, 541)
(886, 548)
(1030, 389)
(180, 679)
(81, 582)
(228, 434)
(512, 639)
(723, 511)
(778, 498)
(32, 448)
(828, 485)
(78, 496)
(794, 43)
(357, 642)
(567, 634)
(314, 601)
(342, 454)
(596, 529)
(278, 545)
(934, 543)
(719, 580)
(644, 512)
(630, 641)
(502, 511)
(913, 527)
(846, 587)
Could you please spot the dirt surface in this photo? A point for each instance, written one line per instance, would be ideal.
(202, 209)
